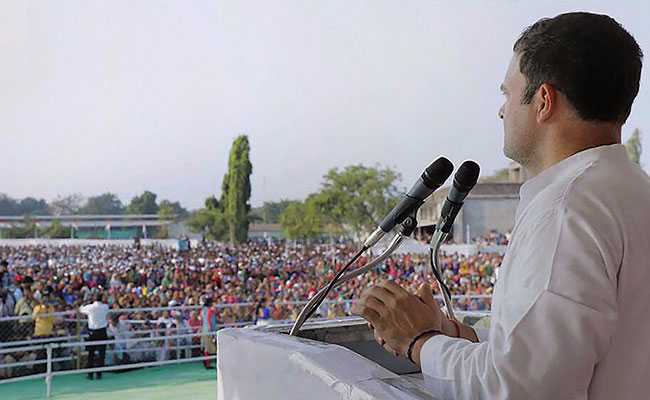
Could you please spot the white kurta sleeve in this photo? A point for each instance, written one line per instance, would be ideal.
(547, 348)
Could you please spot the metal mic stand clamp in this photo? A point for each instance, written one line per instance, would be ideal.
(408, 225)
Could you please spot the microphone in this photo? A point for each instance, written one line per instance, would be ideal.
(464, 180)
(432, 178)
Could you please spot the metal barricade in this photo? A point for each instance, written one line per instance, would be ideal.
(151, 335)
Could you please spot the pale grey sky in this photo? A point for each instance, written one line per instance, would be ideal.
(124, 96)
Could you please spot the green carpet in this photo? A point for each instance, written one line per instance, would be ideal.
(181, 381)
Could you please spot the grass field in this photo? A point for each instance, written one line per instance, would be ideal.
(181, 381)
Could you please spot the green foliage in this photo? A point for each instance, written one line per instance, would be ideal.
(26, 206)
(8, 206)
(27, 229)
(212, 202)
(169, 211)
(57, 231)
(236, 190)
(634, 147)
(270, 211)
(228, 218)
(209, 221)
(104, 204)
(302, 220)
(356, 198)
(32, 206)
(351, 200)
(143, 204)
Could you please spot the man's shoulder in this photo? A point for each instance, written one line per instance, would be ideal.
(609, 190)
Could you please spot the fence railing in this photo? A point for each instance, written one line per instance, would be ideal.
(71, 325)
(146, 336)
(50, 348)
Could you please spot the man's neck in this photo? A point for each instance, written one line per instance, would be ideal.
(562, 145)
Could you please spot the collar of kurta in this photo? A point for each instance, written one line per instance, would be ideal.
(566, 168)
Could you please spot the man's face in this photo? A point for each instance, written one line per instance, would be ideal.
(519, 123)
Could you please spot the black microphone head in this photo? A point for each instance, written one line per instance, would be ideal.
(437, 173)
(466, 176)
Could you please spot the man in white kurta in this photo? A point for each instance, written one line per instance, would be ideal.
(571, 309)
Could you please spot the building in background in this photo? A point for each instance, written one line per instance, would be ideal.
(516, 173)
(94, 226)
(148, 226)
(265, 231)
(491, 205)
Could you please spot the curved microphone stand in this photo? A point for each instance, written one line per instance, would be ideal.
(436, 241)
(320, 296)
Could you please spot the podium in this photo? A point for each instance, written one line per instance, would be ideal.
(330, 360)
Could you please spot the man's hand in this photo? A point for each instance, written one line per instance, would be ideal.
(398, 316)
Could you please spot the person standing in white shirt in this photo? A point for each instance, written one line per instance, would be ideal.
(97, 323)
(570, 316)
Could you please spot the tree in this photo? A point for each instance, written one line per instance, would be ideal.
(32, 206)
(634, 147)
(303, 220)
(236, 190)
(104, 204)
(209, 221)
(26, 206)
(171, 210)
(212, 202)
(67, 205)
(8, 206)
(270, 211)
(356, 198)
(228, 218)
(57, 231)
(143, 204)
(27, 229)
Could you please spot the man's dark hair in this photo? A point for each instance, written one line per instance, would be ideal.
(590, 58)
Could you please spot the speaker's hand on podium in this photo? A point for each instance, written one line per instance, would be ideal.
(382, 342)
(398, 316)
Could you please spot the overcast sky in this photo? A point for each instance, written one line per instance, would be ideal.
(126, 96)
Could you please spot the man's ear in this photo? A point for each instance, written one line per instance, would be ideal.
(546, 102)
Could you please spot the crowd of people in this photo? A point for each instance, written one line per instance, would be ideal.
(219, 284)
(493, 238)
